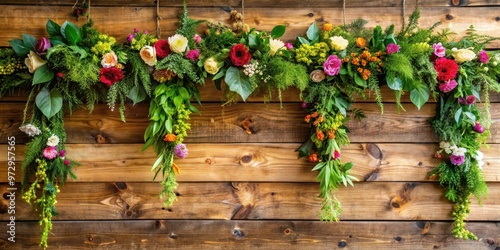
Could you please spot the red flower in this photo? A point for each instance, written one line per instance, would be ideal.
(110, 75)
(162, 48)
(446, 69)
(239, 55)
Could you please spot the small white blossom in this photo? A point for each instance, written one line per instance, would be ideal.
(30, 129)
(53, 140)
(459, 151)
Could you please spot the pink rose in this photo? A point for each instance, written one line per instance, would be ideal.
(50, 152)
(193, 55)
(392, 48)
(289, 46)
(197, 38)
(439, 50)
(448, 86)
(483, 56)
(332, 65)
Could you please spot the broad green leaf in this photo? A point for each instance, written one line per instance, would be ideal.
(157, 162)
(394, 83)
(29, 41)
(302, 40)
(348, 166)
(178, 102)
(80, 51)
(42, 74)
(389, 39)
(168, 125)
(471, 116)
(458, 115)
(219, 75)
(184, 93)
(313, 32)
(278, 31)
(50, 103)
(136, 94)
(71, 32)
(419, 96)
(238, 82)
(319, 166)
(252, 41)
(305, 148)
(56, 40)
(53, 28)
(343, 70)
(18, 47)
(359, 80)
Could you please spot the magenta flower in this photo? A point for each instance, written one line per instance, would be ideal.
(332, 65)
(66, 162)
(457, 160)
(289, 46)
(193, 55)
(42, 46)
(392, 48)
(180, 151)
(336, 155)
(136, 30)
(50, 152)
(448, 86)
(130, 37)
(478, 128)
(304, 105)
(483, 56)
(197, 38)
(439, 50)
(62, 153)
(470, 99)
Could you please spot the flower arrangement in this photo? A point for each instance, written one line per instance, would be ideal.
(79, 65)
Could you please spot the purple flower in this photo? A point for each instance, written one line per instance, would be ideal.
(332, 65)
(439, 50)
(66, 162)
(62, 153)
(136, 30)
(478, 128)
(448, 86)
(180, 151)
(193, 54)
(304, 105)
(392, 48)
(50, 152)
(197, 38)
(42, 46)
(289, 46)
(457, 160)
(130, 37)
(483, 56)
(461, 100)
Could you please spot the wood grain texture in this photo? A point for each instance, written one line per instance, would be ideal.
(31, 19)
(241, 234)
(269, 123)
(256, 162)
(254, 201)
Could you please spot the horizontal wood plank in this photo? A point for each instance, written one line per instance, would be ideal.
(238, 234)
(253, 201)
(31, 19)
(270, 123)
(255, 162)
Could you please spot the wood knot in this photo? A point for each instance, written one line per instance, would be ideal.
(497, 18)
(173, 236)
(398, 239)
(288, 231)
(238, 233)
(91, 238)
(121, 185)
(209, 161)
(342, 244)
(449, 17)
(424, 226)
(246, 124)
(310, 14)
(100, 139)
(246, 159)
(374, 151)
(396, 202)
(490, 241)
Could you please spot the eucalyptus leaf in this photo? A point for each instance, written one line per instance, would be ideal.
(136, 94)
(252, 41)
(313, 32)
(238, 82)
(394, 83)
(29, 41)
(49, 102)
(19, 47)
(302, 40)
(42, 74)
(458, 115)
(419, 96)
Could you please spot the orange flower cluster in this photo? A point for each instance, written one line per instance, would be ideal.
(170, 138)
(362, 60)
(163, 75)
(318, 118)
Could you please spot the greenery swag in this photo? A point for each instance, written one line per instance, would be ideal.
(78, 66)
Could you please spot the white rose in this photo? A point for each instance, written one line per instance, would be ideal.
(53, 140)
(178, 43)
(148, 55)
(275, 45)
(34, 61)
(338, 43)
(463, 55)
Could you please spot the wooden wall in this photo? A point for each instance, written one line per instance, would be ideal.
(249, 191)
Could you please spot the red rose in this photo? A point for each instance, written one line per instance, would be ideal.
(239, 55)
(446, 69)
(162, 48)
(110, 75)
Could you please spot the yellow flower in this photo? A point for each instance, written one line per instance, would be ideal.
(463, 55)
(109, 60)
(211, 66)
(275, 45)
(338, 43)
(178, 43)
(34, 61)
(148, 55)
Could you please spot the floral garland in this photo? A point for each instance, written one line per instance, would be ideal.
(77, 66)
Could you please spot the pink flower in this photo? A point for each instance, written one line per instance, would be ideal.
(304, 105)
(332, 65)
(197, 38)
(289, 46)
(439, 50)
(392, 48)
(136, 30)
(478, 128)
(483, 56)
(62, 153)
(470, 99)
(130, 37)
(457, 160)
(66, 162)
(336, 155)
(448, 86)
(180, 151)
(42, 46)
(50, 152)
(193, 55)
